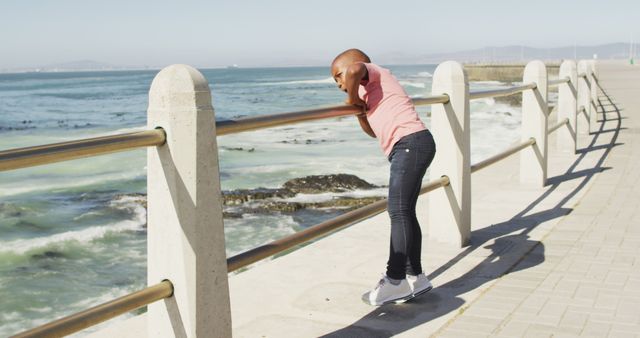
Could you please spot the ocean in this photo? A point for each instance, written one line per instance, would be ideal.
(73, 234)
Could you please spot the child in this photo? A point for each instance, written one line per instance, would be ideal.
(388, 114)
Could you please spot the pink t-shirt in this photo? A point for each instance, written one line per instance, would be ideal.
(390, 112)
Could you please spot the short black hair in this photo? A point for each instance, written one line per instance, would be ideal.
(355, 53)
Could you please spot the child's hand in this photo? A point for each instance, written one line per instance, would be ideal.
(356, 101)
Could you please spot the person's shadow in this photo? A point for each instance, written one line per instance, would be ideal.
(389, 320)
(509, 252)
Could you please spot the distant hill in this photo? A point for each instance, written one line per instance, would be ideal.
(514, 54)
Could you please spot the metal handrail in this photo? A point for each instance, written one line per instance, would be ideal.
(558, 125)
(64, 151)
(558, 82)
(502, 155)
(225, 127)
(479, 94)
(253, 255)
(100, 313)
(433, 99)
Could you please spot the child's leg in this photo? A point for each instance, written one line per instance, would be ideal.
(410, 158)
(414, 264)
(401, 184)
(414, 257)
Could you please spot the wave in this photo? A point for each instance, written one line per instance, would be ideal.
(327, 196)
(489, 101)
(21, 246)
(423, 74)
(328, 80)
(63, 184)
(254, 230)
(413, 84)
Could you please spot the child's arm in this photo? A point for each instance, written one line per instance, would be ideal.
(354, 75)
(364, 124)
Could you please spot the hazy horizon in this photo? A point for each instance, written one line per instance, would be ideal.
(290, 33)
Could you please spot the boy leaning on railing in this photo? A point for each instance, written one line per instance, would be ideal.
(389, 115)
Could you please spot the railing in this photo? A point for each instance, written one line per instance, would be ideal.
(98, 314)
(180, 118)
(65, 151)
(500, 92)
(251, 256)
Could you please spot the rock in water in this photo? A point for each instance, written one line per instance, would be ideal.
(239, 196)
(265, 200)
(323, 183)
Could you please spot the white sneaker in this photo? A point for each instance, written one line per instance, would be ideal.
(419, 284)
(385, 292)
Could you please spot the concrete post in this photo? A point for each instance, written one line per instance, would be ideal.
(533, 160)
(567, 106)
(593, 97)
(584, 90)
(184, 213)
(450, 208)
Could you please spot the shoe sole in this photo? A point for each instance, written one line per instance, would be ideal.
(394, 301)
(421, 292)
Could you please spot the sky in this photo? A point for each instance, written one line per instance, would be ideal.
(293, 32)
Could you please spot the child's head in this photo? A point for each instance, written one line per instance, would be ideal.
(344, 60)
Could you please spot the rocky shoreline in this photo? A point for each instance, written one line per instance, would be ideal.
(282, 200)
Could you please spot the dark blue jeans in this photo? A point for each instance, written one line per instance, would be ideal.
(410, 157)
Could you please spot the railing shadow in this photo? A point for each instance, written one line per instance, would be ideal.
(510, 253)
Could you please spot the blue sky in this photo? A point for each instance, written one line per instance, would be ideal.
(288, 32)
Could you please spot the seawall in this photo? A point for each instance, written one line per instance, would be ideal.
(511, 72)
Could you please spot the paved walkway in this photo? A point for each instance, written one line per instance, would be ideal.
(583, 279)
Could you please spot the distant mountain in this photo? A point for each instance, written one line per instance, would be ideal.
(514, 54)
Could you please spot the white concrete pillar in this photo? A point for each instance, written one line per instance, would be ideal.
(567, 106)
(533, 160)
(593, 117)
(450, 207)
(584, 94)
(184, 210)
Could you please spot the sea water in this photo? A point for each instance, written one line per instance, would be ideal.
(73, 234)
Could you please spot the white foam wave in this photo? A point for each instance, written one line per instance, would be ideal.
(328, 80)
(489, 101)
(413, 84)
(425, 74)
(87, 214)
(327, 196)
(20, 246)
(254, 230)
